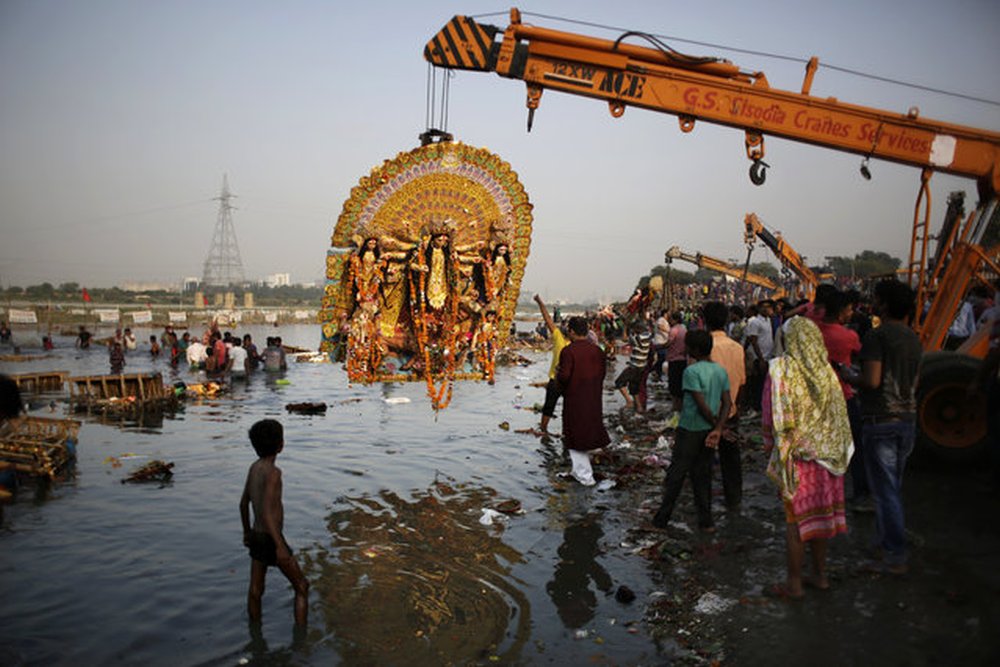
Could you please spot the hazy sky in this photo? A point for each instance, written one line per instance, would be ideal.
(118, 119)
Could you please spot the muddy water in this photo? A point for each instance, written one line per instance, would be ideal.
(384, 501)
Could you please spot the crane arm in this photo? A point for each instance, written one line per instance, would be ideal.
(786, 254)
(713, 90)
(710, 263)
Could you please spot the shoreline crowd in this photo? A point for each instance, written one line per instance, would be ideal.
(833, 382)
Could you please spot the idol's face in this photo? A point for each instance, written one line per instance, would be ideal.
(440, 241)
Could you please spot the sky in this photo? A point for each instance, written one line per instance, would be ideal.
(118, 120)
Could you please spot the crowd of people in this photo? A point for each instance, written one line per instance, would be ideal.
(219, 354)
(833, 382)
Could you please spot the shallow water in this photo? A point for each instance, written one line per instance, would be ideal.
(382, 506)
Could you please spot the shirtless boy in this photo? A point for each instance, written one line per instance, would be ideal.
(266, 543)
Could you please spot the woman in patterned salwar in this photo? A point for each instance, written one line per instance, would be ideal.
(808, 436)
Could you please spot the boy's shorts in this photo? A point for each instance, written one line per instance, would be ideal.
(631, 377)
(263, 549)
(552, 394)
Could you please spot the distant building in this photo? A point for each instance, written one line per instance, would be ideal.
(148, 287)
(278, 280)
(191, 284)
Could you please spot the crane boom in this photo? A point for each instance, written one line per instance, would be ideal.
(710, 263)
(713, 90)
(717, 91)
(786, 254)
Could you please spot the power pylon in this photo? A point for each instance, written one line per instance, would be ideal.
(223, 266)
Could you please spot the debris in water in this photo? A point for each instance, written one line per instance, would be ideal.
(307, 408)
(606, 484)
(154, 471)
(712, 604)
(624, 594)
(509, 506)
(489, 516)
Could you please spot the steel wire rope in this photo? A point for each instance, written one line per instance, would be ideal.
(764, 54)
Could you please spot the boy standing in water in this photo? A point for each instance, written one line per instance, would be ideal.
(265, 540)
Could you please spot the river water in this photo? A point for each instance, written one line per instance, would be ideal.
(383, 500)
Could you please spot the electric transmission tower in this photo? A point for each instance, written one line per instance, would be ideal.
(223, 266)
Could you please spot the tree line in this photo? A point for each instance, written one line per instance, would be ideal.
(73, 292)
(864, 264)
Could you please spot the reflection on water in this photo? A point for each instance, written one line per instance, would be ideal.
(93, 571)
(419, 580)
(258, 652)
(577, 566)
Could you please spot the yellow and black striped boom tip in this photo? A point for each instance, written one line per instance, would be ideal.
(463, 44)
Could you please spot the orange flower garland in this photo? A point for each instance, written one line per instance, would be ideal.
(437, 394)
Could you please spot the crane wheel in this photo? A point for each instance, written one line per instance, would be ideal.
(950, 423)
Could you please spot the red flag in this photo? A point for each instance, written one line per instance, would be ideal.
(204, 300)
(86, 295)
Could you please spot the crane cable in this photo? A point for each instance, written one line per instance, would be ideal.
(765, 54)
(435, 110)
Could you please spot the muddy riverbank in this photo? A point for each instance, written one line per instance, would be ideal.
(708, 606)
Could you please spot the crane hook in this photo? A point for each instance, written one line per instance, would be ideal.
(865, 171)
(758, 172)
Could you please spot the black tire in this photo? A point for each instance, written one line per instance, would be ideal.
(950, 423)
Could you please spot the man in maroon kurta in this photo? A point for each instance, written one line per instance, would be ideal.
(581, 377)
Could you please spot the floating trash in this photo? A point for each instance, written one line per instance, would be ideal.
(712, 604)
(490, 516)
(307, 408)
(624, 594)
(154, 471)
(509, 506)
(606, 484)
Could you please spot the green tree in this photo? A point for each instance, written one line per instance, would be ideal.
(866, 263)
(43, 291)
(666, 273)
(765, 269)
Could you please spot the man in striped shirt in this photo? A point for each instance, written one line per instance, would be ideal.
(629, 381)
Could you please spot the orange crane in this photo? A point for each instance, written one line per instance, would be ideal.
(715, 90)
(725, 268)
(786, 254)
